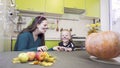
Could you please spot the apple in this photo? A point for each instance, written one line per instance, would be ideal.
(31, 55)
(40, 56)
(23, 57)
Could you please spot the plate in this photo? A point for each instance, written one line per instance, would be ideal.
(115, 61)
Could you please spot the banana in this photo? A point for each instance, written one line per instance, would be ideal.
(49, 63)
(50, 59)
(35, 62)
(44, 63)
(16, 60)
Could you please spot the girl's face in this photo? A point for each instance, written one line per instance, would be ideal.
(65, 37)
(42, 27)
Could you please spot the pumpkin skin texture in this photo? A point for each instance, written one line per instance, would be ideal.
(103, 45)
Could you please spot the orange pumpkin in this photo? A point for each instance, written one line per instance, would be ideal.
(104, 45)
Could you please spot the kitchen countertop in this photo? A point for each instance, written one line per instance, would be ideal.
(50, 38)
(75, 59)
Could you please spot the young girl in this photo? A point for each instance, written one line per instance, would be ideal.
(66, 43)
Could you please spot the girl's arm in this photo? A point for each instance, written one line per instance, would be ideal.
(56, 48)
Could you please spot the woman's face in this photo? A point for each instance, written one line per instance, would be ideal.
(42, 27)
(65, 36)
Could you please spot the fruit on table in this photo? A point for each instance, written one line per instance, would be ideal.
(40, 56)
(104, 45)
(44, 63)
(50, 59)
(23, 57)
(31, 55)
(46, 55)
(16, 60)
(35, 62)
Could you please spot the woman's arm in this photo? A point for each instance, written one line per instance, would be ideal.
(22, 43)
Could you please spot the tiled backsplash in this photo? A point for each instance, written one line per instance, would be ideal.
(67, 21)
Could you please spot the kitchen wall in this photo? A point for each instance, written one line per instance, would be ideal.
(67, 21)
(6, 25)
(2, 21)
(77, 24)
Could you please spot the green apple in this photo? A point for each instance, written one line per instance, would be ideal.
(23, 57)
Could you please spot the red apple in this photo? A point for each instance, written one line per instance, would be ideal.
(40, 56)
(31, 55)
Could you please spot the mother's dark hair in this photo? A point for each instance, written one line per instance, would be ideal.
(33, 26)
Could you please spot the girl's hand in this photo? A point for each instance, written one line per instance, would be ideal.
(56, 48)
(42, 48)
(61, 48)
(68, 49)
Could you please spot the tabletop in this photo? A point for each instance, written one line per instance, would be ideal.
(74, 59)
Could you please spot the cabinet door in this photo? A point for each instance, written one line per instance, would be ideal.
(31, 5)
(78, 4)
(22, 4)
(51, 43)
(54, 6)
(38, 5)
(93, 8)
(69, 3)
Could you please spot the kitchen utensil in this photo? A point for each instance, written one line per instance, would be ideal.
(57, 28)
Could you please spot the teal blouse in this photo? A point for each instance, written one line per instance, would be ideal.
(25, 42)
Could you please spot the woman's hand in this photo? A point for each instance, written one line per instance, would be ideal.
(42, 48)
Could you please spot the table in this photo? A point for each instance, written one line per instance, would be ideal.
(75, 59)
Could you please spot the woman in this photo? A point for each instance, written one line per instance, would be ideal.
(32, 37)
